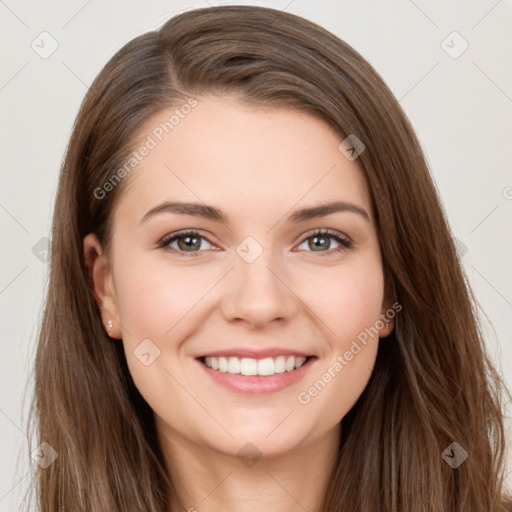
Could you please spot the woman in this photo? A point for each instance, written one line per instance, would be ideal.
(196, 352)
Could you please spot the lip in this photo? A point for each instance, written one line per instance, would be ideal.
(254, 353)
(257, 384)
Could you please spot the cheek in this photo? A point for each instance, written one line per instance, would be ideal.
(153, 303)
(152, 299)
(349, 306)
(348, 300)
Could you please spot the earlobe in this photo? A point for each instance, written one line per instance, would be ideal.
(388, 322)
(101, 280)
(388, 312)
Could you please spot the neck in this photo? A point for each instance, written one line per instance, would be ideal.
(209, 481)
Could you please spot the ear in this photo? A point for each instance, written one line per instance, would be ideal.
(387, 312)
(389, 322)
(101, 278)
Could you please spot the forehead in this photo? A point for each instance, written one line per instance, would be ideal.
(245, 159)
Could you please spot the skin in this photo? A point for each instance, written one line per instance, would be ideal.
(258, 165)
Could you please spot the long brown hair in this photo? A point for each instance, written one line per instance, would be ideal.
(433, 383)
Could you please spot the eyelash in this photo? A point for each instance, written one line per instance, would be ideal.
(345, 243)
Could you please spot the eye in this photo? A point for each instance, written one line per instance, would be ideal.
(188, 241)
(316, 240)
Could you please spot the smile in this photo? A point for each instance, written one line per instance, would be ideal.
(248, 366)
(256, 376)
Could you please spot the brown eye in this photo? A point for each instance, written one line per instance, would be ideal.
(187, 242)
(319, 240)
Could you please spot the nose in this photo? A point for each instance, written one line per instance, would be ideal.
(258, 293)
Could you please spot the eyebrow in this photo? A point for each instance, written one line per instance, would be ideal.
(217, 215)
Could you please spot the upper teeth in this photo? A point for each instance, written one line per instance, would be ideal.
(248, 366)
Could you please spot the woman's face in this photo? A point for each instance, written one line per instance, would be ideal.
(257, 291)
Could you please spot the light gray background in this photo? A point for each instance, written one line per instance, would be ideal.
(460, 108)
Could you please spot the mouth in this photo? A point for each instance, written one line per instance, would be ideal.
(249, 367)
(247, 375)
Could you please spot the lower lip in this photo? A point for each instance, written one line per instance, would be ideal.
(258, 383)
